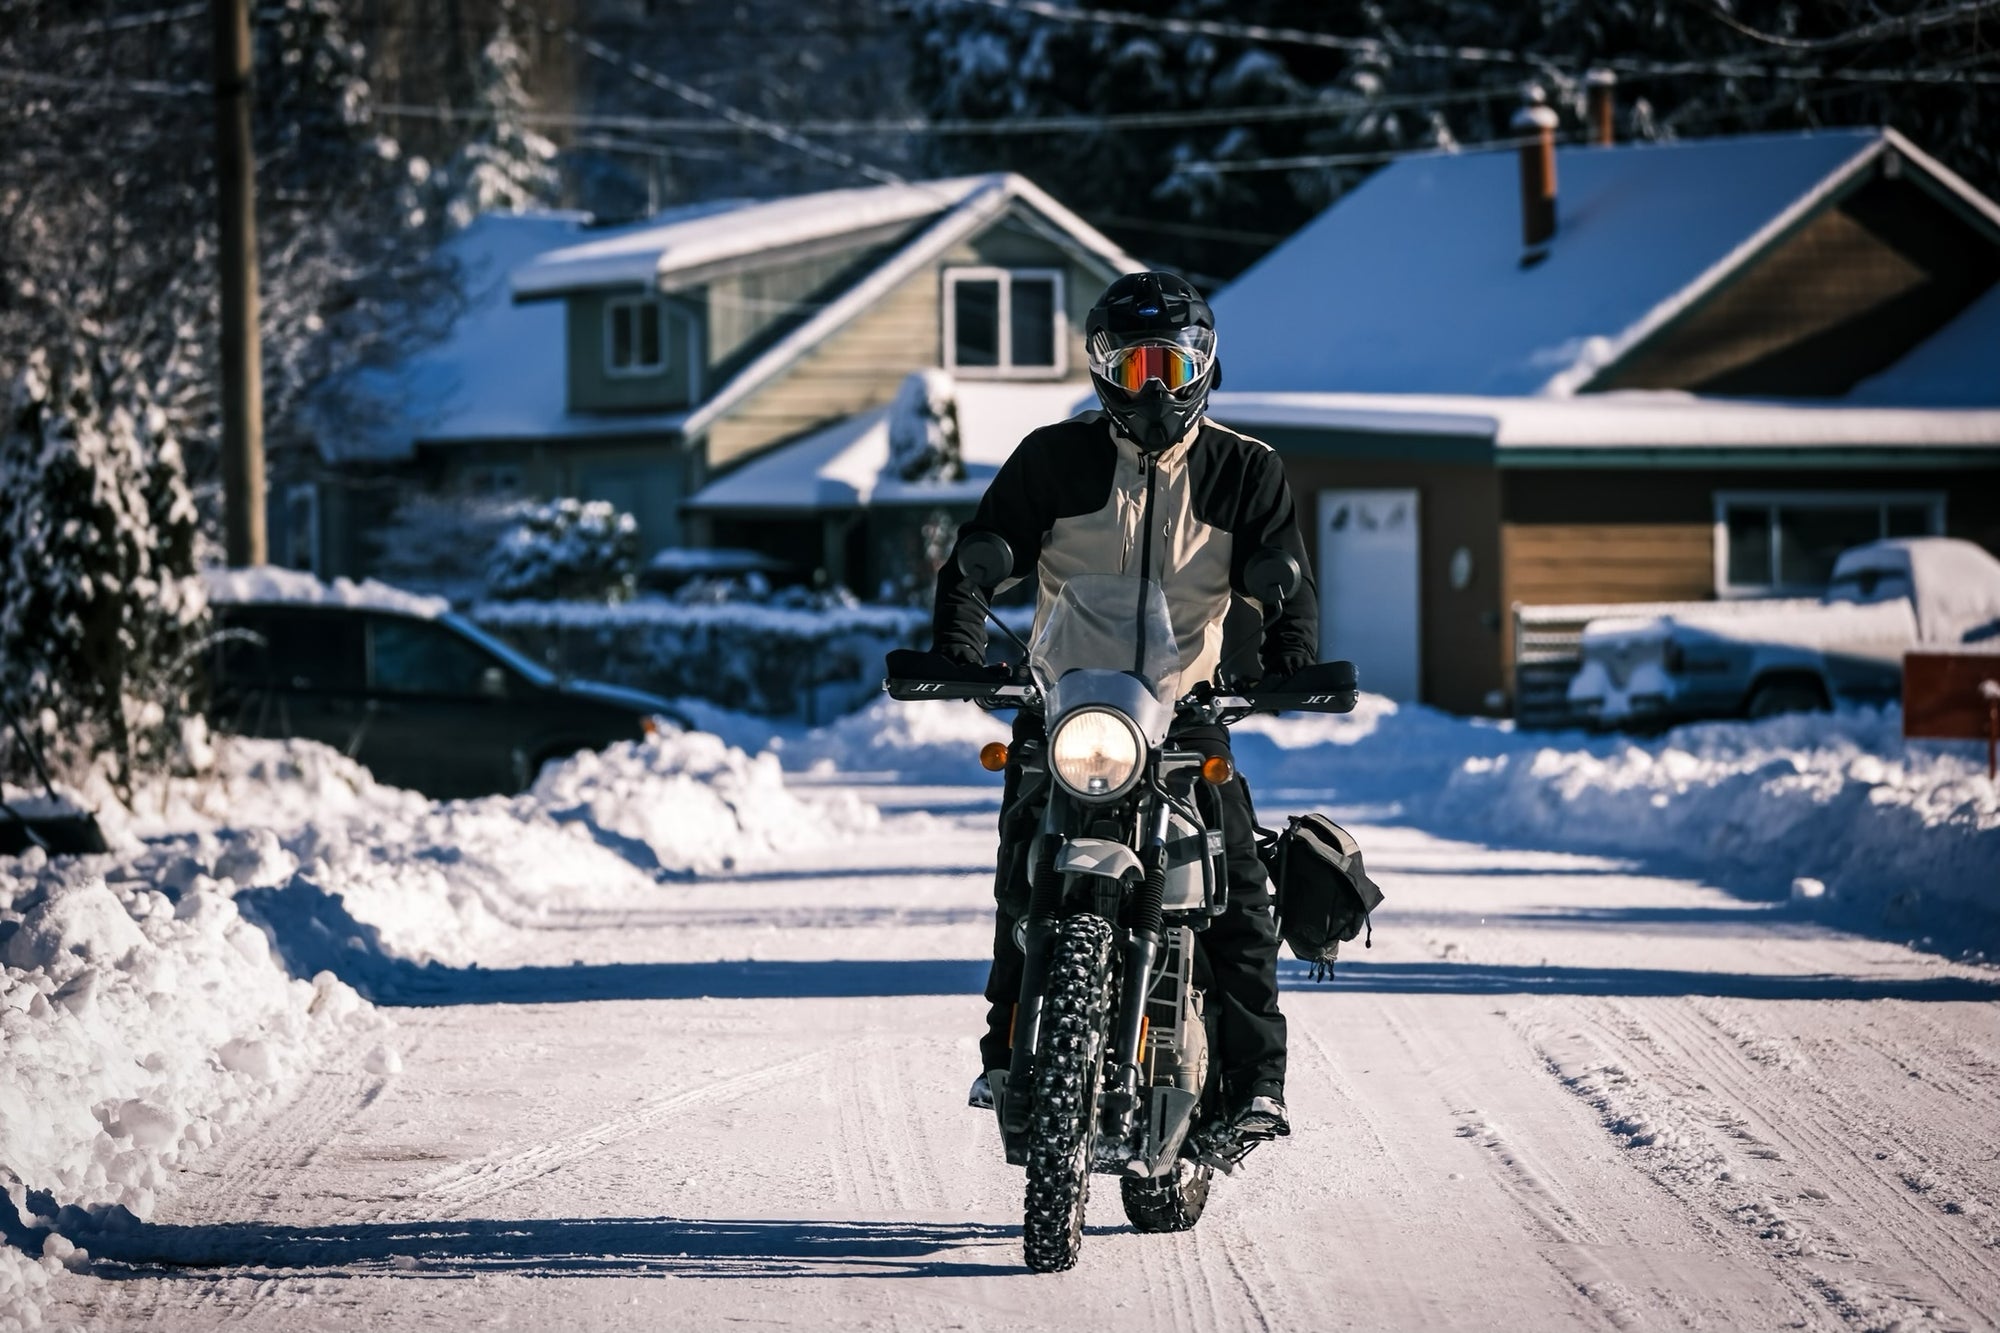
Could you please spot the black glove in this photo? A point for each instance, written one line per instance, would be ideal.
(962, 654)
(1284, 668)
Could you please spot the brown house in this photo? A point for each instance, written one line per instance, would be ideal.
(1731, 360)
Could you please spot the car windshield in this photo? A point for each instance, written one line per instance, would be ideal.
(501, 649)
(1108, 622)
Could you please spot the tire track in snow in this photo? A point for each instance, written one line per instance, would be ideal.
(466, 1185)
(1892, 1210)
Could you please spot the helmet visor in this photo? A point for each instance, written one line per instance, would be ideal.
(1176, 361)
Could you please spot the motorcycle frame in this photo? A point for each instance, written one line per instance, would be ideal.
(1077, 868)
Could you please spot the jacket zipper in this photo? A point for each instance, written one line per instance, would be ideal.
(1151, 464)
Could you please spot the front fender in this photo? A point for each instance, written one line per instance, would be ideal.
(1098, 856)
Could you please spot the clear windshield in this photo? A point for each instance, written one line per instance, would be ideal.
(1109, 622)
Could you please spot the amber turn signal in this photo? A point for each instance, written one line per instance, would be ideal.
(993, 756)
(1216, 770)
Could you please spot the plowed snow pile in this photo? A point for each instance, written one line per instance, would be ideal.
(153, 997)
(1889, 826)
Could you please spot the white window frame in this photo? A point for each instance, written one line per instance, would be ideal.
(637, 369)
(1775, 500)
(1006, 370)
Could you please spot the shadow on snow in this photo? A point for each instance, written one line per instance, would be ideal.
(587, 1247)
(312, 931)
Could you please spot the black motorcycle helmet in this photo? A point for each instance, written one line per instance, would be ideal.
(1151, 341)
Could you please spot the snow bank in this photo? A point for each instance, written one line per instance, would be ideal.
(379, 884)
(139, 1019)
(1893, 829)
(153, 997)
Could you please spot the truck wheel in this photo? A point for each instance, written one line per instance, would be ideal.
(1787, 696)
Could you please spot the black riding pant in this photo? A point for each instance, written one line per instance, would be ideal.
(1240, 946)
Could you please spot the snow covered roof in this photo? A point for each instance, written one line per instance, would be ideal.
(1414, 284)
(658, 254)
(1611, 422)
(1958, 366)
(846, 465)
(262, 585)
(499, 373)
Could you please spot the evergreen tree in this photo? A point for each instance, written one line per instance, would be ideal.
(507, 167)
(97, 548)
(1409, 75)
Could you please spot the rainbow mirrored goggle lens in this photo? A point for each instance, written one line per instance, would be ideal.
(1174, 367)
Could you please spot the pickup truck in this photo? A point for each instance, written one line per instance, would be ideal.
(1885, 599)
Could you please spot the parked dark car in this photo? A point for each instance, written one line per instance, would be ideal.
(432, 703)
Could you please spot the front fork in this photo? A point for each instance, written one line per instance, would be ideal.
(1142, 951)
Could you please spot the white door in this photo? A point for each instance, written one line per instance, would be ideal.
(1369, 611)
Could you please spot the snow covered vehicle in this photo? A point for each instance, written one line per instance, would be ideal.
(1109, 1068)
(424, 698)
(1885, 599)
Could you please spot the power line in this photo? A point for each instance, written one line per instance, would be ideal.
(1731, 67)
(1324, 109)
(1361, 159)
(1907, 25)
(687, 93)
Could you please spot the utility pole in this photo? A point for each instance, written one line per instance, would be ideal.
(242, 358)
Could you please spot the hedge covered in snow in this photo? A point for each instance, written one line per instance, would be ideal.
(768, 660)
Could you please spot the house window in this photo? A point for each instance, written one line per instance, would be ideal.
(301, 550)
(635, 336)
(1787, 542)
(1005, 322)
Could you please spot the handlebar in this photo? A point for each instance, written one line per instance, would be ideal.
(1328, 687)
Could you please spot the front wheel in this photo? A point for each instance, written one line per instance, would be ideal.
(1172, 1202)
(1062, 1134)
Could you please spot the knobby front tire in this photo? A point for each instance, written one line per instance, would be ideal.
(1062, 1133)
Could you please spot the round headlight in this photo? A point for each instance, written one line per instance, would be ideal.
(1095, 753)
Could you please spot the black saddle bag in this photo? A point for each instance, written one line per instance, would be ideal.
(1323, 893)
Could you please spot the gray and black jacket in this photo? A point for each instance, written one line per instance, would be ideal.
(1079, 498)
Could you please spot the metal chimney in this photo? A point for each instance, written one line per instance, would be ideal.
(1535, 125)
(1601, 90)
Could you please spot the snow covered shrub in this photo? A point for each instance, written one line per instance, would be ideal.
(923, 429)
(97, 549)
(507, 167)
(582, 550)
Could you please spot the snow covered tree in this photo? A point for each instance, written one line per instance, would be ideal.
(507, 167)
(103, 612)
(567, 549)
(923, 428)
(1410, 74)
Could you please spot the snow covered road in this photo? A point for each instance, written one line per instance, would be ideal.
(1558, 1092)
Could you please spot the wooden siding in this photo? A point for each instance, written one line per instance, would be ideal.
(746, 310)
(861, 365)
(1554, 563)
(1844, 297)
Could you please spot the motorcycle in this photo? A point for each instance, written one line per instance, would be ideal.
(1109, 1070)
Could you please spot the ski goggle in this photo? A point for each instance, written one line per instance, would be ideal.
(1173, 366)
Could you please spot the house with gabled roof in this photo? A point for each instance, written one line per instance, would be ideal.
(1728, 360)
(637, 364)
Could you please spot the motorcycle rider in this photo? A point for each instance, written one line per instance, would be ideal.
(1149, 486)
